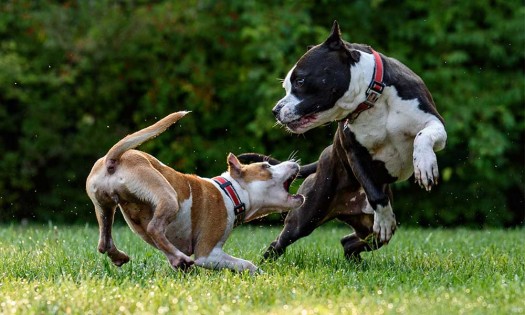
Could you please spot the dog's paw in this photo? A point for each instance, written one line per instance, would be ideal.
(384, 223)
(426, 171)
(181, 262)
(251, 268)
(272, 253)
(118, 257)
(120, 262)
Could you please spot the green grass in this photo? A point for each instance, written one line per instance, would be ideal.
(58, 270)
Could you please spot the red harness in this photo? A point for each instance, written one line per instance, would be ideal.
(374, 91)
(238, 207)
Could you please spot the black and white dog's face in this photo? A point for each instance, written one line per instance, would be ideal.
(315, 84)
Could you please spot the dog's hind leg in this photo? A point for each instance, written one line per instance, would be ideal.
(163, 199)
(302, 221)
(105, 204)
(363, 238)
(359, 215)
(319, 191)
(164, 212)
(105, 216)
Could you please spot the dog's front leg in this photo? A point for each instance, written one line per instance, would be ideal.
(430, 139)
(377, 190)
(218, 259)
(384, 221)
(105, 216)
(378, 198)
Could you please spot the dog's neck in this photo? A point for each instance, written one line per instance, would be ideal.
(243, 195)
(361, 73)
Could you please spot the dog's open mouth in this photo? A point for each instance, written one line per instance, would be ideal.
(301, 122)
(287, 183)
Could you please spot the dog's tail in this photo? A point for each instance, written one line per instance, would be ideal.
(304, 171)
(135, 139)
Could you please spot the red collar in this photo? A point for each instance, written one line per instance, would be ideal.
(238, 207)
(374, 91)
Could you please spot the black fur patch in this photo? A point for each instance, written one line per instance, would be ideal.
(372, 174)
(321, 77)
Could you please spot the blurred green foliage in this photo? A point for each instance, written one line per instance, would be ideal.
(79, 75)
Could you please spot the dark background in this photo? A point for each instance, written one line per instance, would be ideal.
(76, 76)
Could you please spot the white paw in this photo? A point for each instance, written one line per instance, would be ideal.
(426, 171)
(384, 223)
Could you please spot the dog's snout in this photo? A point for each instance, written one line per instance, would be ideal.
(292, 166)
(277, 109)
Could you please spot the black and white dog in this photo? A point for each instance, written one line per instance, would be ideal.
(388, 129)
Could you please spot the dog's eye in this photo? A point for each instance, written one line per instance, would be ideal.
(266, 165)
(299, 82)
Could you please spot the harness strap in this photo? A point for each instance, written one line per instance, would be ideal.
(239, 208)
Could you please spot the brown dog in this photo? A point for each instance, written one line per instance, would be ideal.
(179, 214)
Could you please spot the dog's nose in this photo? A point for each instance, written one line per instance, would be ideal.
(277, 109)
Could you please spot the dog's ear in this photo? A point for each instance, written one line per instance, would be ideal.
(309, 47)
(334, 41)
(234, 166)
(354, 54)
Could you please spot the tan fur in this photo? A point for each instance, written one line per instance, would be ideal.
(208, 217)
(210, 223)
(179, 214)
(251, 174)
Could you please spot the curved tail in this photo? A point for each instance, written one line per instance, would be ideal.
(137, 138)
(304, 171)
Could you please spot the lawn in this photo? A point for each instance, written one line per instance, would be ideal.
(56, 269)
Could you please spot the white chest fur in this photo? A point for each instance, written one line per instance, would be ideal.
(388, 130)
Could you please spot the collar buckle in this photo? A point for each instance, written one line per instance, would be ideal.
(239, 209)
(373, 93)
